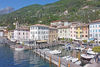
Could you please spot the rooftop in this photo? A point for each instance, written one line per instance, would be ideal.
(41, 25)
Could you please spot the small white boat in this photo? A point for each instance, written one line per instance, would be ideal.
(92, 52)
(74, 59)
(86, 56)
(78, 62)
(19, 48)
(55, 52)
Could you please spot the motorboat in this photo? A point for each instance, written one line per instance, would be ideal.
(92, 52)
(19, 48)
(86, 56)
(74, 59)
(78, 62)
(55, 52)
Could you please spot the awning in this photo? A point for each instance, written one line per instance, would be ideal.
(91, 38)
(41, 41)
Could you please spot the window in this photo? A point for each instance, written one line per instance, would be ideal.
(99, 30)
(96, 30)
(23, 33)
(19, 33)
(96, 26)
(99, 25)
(85, 35)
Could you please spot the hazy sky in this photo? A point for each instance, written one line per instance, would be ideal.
(22, 3)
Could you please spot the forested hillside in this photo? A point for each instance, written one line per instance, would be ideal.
(71, 10)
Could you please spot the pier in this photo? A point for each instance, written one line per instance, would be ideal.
(60, 62)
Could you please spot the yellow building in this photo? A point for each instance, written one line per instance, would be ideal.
(53, 36)
(78, 32)
(82, 32)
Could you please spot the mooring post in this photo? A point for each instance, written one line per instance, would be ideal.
(68, 64)
(50, 59)
(59, 62)
(79, 56)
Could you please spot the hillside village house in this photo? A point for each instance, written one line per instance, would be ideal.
(59, 23)
(39, 33)
(64, 32)
(21, 35)
(94, 30)
(53, 35)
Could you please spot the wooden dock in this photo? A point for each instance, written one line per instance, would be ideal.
(60, 62)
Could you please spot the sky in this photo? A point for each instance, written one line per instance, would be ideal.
(17, 4)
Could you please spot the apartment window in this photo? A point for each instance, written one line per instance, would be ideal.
(99, 25)
(93, 26)
(85, 35)
(99, 30)
(19, 33)
(99, 35)
(96, 30)
(96, 26)
(23, 33)
(82, 35)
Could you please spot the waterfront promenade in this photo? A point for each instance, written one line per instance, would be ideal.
(55, 59)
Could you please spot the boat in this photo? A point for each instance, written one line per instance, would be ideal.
(74, 59)
(78, 62)
(20, 48)
(92, 52)
(86, 56)
(55, 52)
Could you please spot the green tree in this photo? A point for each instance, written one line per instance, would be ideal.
(96, 49)
(91, 42)
(85, 41)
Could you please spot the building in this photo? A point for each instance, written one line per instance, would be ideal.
(73, 30)
(60, 23)
(39, 33)
(94, 30)
(85, 32)
(78, 32)
(53, 35)
(82, 31)
(64, 32)
(11, 35)
(21, 35)
(1, 33)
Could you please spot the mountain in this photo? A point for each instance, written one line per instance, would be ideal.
(72, 10)
(6, 10)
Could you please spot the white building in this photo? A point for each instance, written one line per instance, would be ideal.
(1, 33)
(39, 32)
(94, 30)
(64, 32)
(21, 35)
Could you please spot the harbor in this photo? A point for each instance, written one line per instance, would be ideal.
(12, 58)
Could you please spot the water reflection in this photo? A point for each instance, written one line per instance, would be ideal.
(19, 57)
(29, 59)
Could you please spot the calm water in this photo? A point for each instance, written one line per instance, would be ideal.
(11, 58)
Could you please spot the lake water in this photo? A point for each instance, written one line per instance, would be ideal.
(11, 58)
